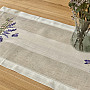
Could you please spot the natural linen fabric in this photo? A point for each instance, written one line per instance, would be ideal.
(43, 52)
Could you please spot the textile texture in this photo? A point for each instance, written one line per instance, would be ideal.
(43, 46)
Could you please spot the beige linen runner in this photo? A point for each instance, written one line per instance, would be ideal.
(43, 52)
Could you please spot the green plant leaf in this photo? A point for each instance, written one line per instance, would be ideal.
(78, 9)
(71, 4)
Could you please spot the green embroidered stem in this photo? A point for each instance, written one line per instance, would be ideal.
(4, 26)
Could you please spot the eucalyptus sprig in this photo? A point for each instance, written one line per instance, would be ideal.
(81, 9)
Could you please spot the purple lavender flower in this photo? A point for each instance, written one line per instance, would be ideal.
(87, 61)
(12, 30)
(10, 25)
(15, 35)
(8, 28)
(5, 35)
(1, 39)
(6, 32)
(13, 23)
(9, 19)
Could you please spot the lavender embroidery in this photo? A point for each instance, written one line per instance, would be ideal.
(7, 28)
(1, 39)
(15, 35)
(87, 61)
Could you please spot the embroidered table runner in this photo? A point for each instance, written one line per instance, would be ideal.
(42, 52)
